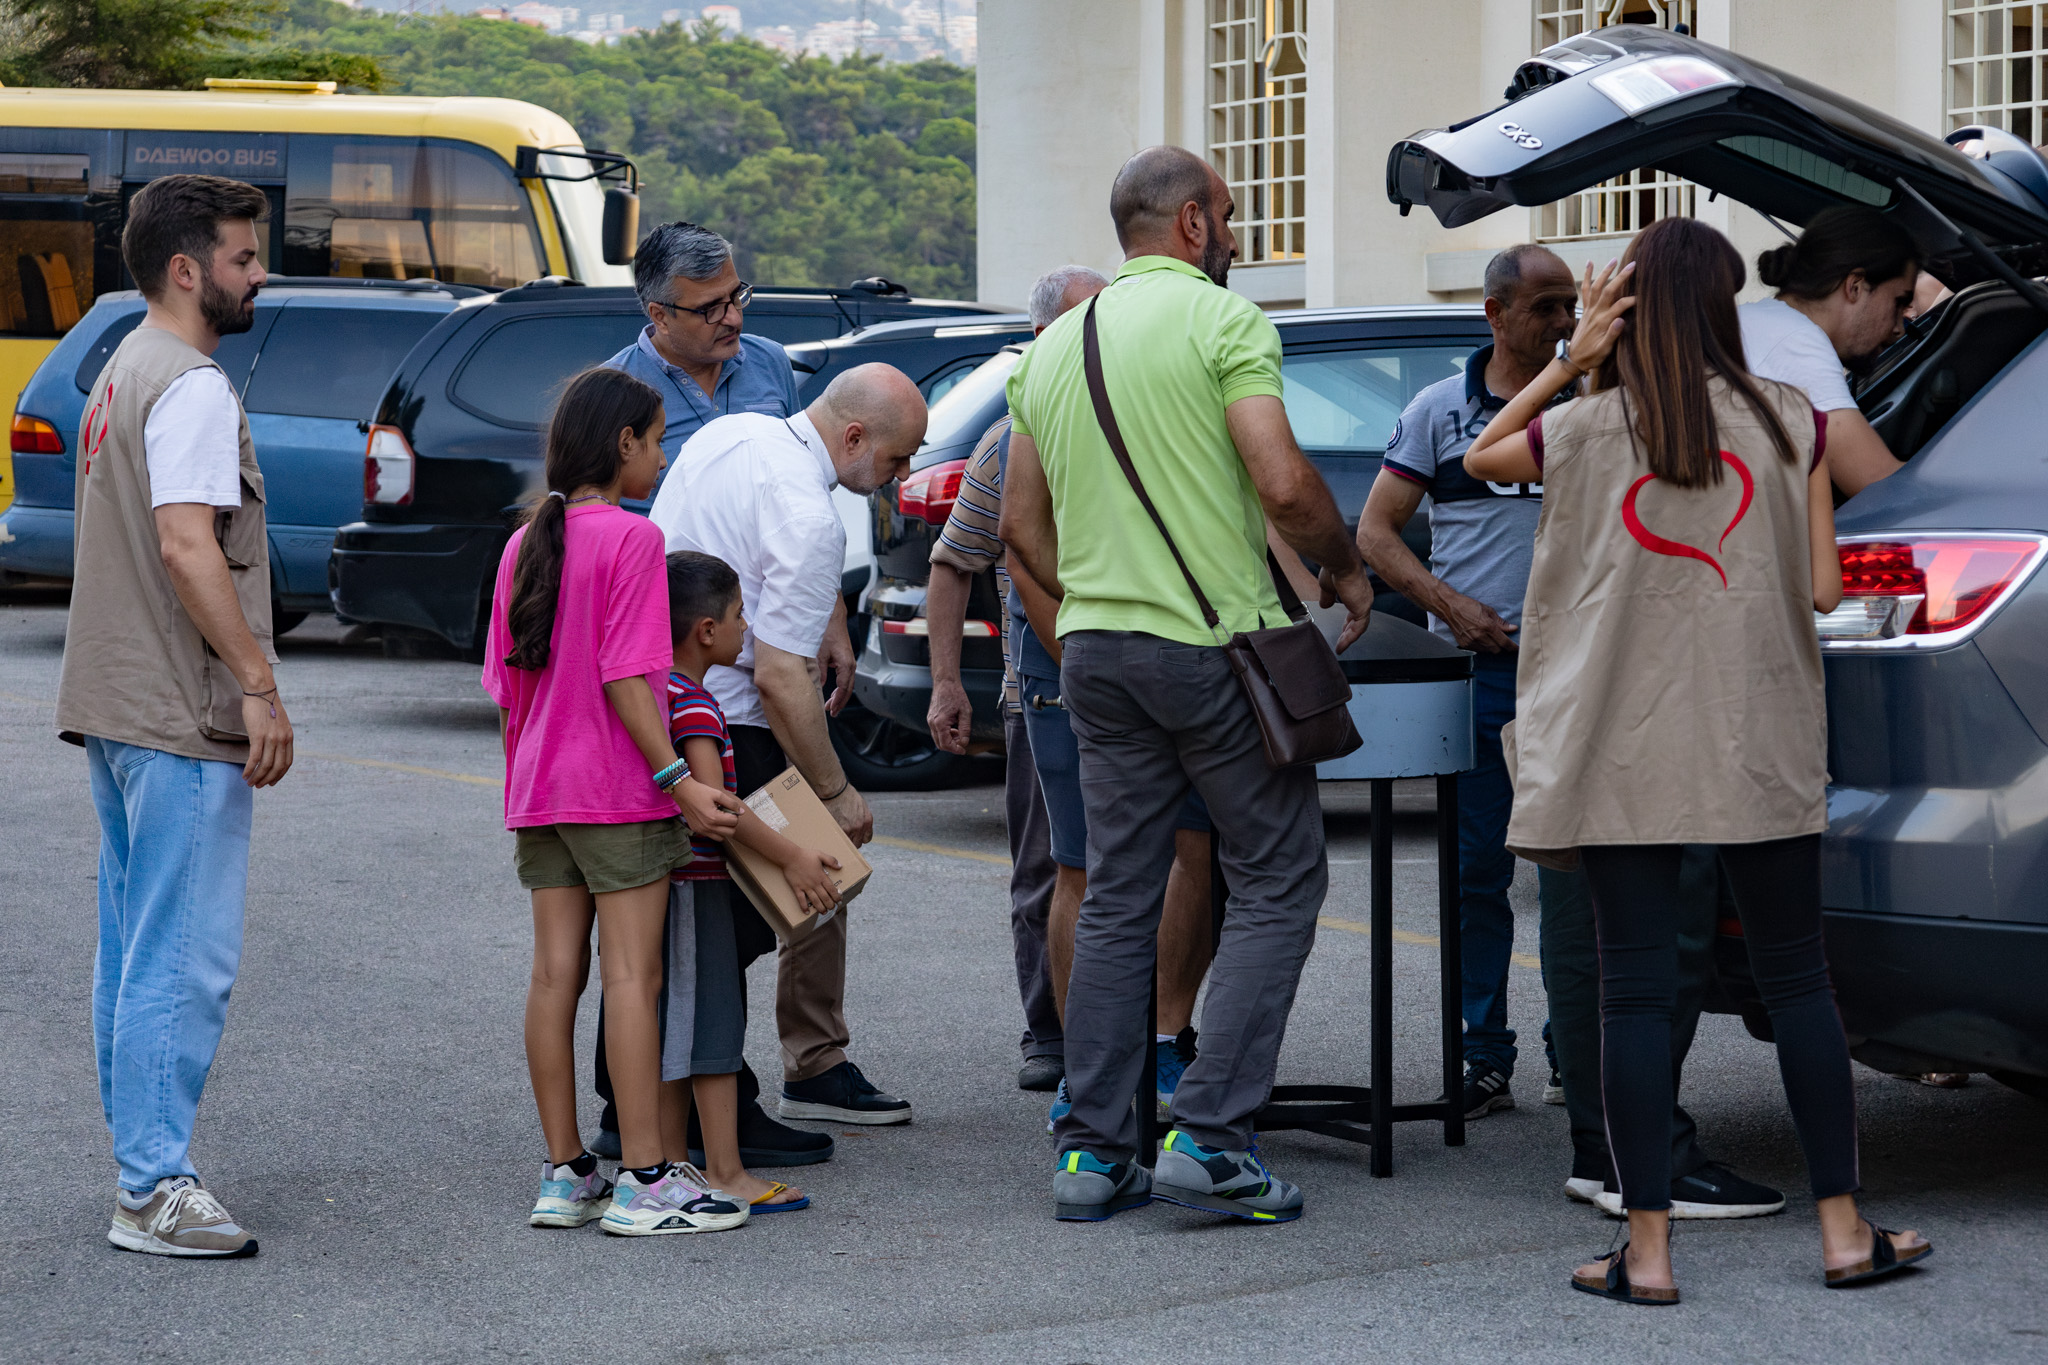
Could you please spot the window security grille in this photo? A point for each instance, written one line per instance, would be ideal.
(1629, 202)
(1258, 116)
(1996, 58)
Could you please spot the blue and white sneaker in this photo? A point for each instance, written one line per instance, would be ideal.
(681, 1201)
(1175, 1054)
(1062, 1104)
(1087, 1189)
(1221, 1181)
(568, 1200)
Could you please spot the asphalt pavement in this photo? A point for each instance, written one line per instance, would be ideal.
(369, 1118)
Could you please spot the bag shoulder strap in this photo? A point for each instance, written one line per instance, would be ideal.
(1105, 416)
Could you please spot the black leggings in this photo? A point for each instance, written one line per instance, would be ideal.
(1777, 889)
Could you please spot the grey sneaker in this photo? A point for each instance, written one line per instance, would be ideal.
(1236, 1183)
(568, 1200)
(180, 1219)
(1087, 1189)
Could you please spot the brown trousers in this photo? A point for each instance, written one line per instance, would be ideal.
(810, 973)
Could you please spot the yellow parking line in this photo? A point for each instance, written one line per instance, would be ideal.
(415, 770)
(1420, 940)
(942, 850)
(913, 845)
(31, 701)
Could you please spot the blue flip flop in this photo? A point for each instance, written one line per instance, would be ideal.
(791, 1206)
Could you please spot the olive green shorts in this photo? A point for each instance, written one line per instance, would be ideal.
(602, 857)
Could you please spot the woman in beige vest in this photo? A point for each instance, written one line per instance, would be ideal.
(1669, 693)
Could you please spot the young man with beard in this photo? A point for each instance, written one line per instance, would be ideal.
(167, 684)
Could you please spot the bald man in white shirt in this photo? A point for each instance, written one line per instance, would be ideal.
(756, 491)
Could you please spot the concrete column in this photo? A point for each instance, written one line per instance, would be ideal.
(1057, 112)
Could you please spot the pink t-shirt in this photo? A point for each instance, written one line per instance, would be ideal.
(568, 759)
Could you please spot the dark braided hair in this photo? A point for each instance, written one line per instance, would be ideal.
(596, 407)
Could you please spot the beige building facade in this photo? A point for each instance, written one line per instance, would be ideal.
(1296, 102)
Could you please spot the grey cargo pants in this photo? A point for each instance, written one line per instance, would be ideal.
(1153, 717)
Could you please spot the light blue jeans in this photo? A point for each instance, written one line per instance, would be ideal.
(174, 873)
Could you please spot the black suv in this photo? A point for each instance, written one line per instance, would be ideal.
(1347, 374)
(454, 447)
(1937, 658)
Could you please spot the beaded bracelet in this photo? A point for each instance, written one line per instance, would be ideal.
(672, 774)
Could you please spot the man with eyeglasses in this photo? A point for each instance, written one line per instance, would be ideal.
(693, 351)
(695, 355)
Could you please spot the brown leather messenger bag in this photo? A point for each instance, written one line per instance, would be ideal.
(1290, 675)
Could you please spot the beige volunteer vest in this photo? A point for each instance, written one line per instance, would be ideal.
(136, 668)
(1669, 689)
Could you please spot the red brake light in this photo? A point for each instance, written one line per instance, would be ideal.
(929, 494)
(34, 436)
(387, 468)
(1923, 585)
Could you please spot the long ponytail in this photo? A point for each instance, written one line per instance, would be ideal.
(596, 407)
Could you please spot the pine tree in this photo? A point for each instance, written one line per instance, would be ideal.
(157, 44)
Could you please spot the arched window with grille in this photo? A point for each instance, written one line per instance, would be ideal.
(1258, 122)
(1627, 203)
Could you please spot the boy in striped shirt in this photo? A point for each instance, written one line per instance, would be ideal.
(706, 1029)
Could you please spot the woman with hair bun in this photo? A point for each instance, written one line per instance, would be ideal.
(1844, 288)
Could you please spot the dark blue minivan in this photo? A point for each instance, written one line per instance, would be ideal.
(310, 373)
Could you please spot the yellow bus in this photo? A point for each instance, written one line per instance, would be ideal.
(490, 192)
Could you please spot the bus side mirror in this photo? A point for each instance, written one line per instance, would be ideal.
(621, 226)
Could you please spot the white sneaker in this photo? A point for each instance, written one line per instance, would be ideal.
(568, 1200)
(681, 1201)
(181, 1219)
(1582, 1191)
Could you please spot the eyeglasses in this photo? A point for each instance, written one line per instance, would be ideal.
(712, 312)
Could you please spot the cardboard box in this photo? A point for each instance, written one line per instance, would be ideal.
(789, 807)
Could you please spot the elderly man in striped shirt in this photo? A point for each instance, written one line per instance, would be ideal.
(1045, 894)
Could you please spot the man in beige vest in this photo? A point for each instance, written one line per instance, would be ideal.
(167, 684)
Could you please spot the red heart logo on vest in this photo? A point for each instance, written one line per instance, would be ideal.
(1657, 544)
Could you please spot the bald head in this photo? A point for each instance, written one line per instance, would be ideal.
(1169, 202)
(872, 419)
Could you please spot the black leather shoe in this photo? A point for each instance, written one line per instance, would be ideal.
(1041, 1073)
(764, 1142)
(841, 1095)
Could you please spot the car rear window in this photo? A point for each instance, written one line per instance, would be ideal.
(1343, 406)
(333, 362)
(515, 372)
(234, 356)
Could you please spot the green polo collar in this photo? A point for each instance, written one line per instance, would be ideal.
(1139, 265)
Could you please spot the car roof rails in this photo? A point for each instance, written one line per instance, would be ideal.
(543, 284)
(875, 284)
(461, 291)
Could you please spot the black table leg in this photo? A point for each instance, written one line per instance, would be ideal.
(1382, 949)
(1451, 958)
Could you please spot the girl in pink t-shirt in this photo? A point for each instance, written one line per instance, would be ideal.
(577, 654)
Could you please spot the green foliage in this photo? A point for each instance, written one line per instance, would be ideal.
(820, 172)
(158, 44)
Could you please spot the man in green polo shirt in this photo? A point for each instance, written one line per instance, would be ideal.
(1193, 374)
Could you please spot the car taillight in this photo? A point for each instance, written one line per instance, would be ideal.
(972, 630)
(929, 494)
(1925, 588)
(34, 436)
(387, 468)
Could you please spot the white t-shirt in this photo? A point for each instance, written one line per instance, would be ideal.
(1784, 344)
(757, 492)
(192, 441)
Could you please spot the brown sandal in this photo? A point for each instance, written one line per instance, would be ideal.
(1614, 1284)
(1884, 1258)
